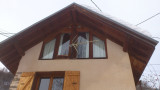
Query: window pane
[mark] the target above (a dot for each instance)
(57, 84)
(98, 48)
(83, 45)
(49, 49)
(64, 44)
(44, 83)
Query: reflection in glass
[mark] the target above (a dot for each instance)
(64, 44)
(98, 48)
(83, 45)
(49, 49)
(57, 84)
(44, 83)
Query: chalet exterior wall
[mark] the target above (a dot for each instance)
(113, 73)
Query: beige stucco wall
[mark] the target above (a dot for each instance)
(113, 73)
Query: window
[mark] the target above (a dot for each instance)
(98, 48)
(58, 80)
(64, 44)
(80, 45)
(44, 83)
(57, 83)
(49, 80)
(49, 49)
(83, 45)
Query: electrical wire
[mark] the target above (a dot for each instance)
(7, 33)
(4, 31)
(96, 5)
(4, 35)
(1, 33)
(156, 37)
(148, 19)
(154, 64)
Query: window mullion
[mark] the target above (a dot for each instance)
(42, 50)
(70, 44)
(57, 46)
(73, 36)
(106, 48)
(90, 45)
(51, 83)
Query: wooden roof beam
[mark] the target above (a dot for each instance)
(19, 49)
(6, 55)
(74, 17)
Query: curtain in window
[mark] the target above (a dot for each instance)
(49, 49)
(64, 44)
(83, 45)
(98, 48)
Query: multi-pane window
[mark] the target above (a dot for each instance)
(57, 80)
(57, 83)
(49, 80)
(79, 45)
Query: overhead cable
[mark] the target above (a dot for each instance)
(148, 19)
(96, 5)
(156, 37)
(7, 33)
(4, 35)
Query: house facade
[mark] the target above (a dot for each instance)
(76, 49)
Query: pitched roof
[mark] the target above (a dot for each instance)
(139, 46)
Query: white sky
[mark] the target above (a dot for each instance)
(15, 15)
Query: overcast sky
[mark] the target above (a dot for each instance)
(15, 15)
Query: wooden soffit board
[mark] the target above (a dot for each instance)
(139, 46)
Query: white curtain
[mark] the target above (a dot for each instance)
(98, 48)
(64, 47)
(83, 46)
(49, 49)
